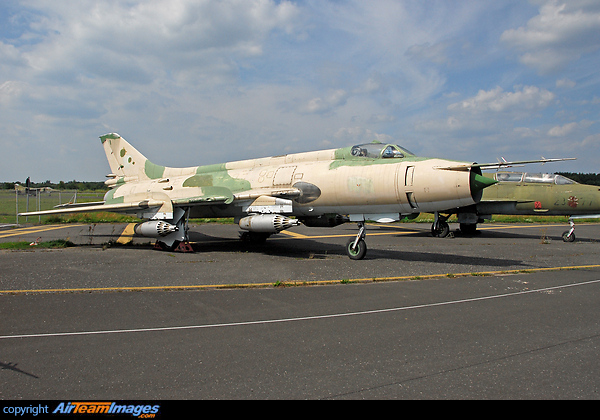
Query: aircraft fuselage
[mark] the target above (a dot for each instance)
(315, 183)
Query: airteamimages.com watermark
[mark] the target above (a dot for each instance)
(142, 411)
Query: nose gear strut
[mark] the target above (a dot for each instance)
(569, 235)
(357, 248)
(440, 228)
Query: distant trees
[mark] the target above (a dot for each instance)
(81, 185)
(590, 179)
(62, 185)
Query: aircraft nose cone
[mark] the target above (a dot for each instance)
(479, 182)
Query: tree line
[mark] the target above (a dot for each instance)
(62, 185)
(590, 179)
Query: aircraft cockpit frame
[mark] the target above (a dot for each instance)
(537, 178)
(379, 151)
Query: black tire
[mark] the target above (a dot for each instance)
(442, 231)
(568, 238)
(357, 253)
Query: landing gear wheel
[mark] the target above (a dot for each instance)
(568, 238)
(358, 252)
(441, 230)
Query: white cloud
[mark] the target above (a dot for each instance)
(357, 135)
(382, 118)
(9, 91)
(329, 103)
(440, 125)
(526, 132)
(562, 32)
(433, 53)
(528, 98)
(569, 128)
(561, 131)
(232, 79)
(9, 55)
(593, 140)
(565, 83)
(140, 41)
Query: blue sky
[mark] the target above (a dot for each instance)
(200, 82)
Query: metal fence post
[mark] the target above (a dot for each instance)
(17, 205)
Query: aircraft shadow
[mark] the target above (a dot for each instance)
(509, 233)
(13, 367)
(520, 235)
(307, 248)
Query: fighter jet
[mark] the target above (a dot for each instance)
(523, 193)
(29, 190)
(375, 181)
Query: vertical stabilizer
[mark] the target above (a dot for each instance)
(125, 161)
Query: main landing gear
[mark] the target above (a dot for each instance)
(171, 235)
(356, 248)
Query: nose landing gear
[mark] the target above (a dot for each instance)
(357, 248)
(569, 235)
(440, 228)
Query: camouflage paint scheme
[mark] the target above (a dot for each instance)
(523, 193)
(346, 183)
(375, 181)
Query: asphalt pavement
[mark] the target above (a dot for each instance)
(510, 313)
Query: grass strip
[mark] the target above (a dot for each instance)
(21, 245)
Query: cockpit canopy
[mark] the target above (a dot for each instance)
(535, 178)
(379, 150)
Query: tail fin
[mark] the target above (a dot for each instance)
(125, 161)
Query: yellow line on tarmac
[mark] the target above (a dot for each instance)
(26, 231)
(302, 282)
(403, 230)
(407, 231)
(347, 235)
(300, 236)
(127, 234)
(294, 234)
(499, 227)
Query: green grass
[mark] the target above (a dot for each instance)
(48, 201)
(59, 243)
(223, 220)
(95, 217)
